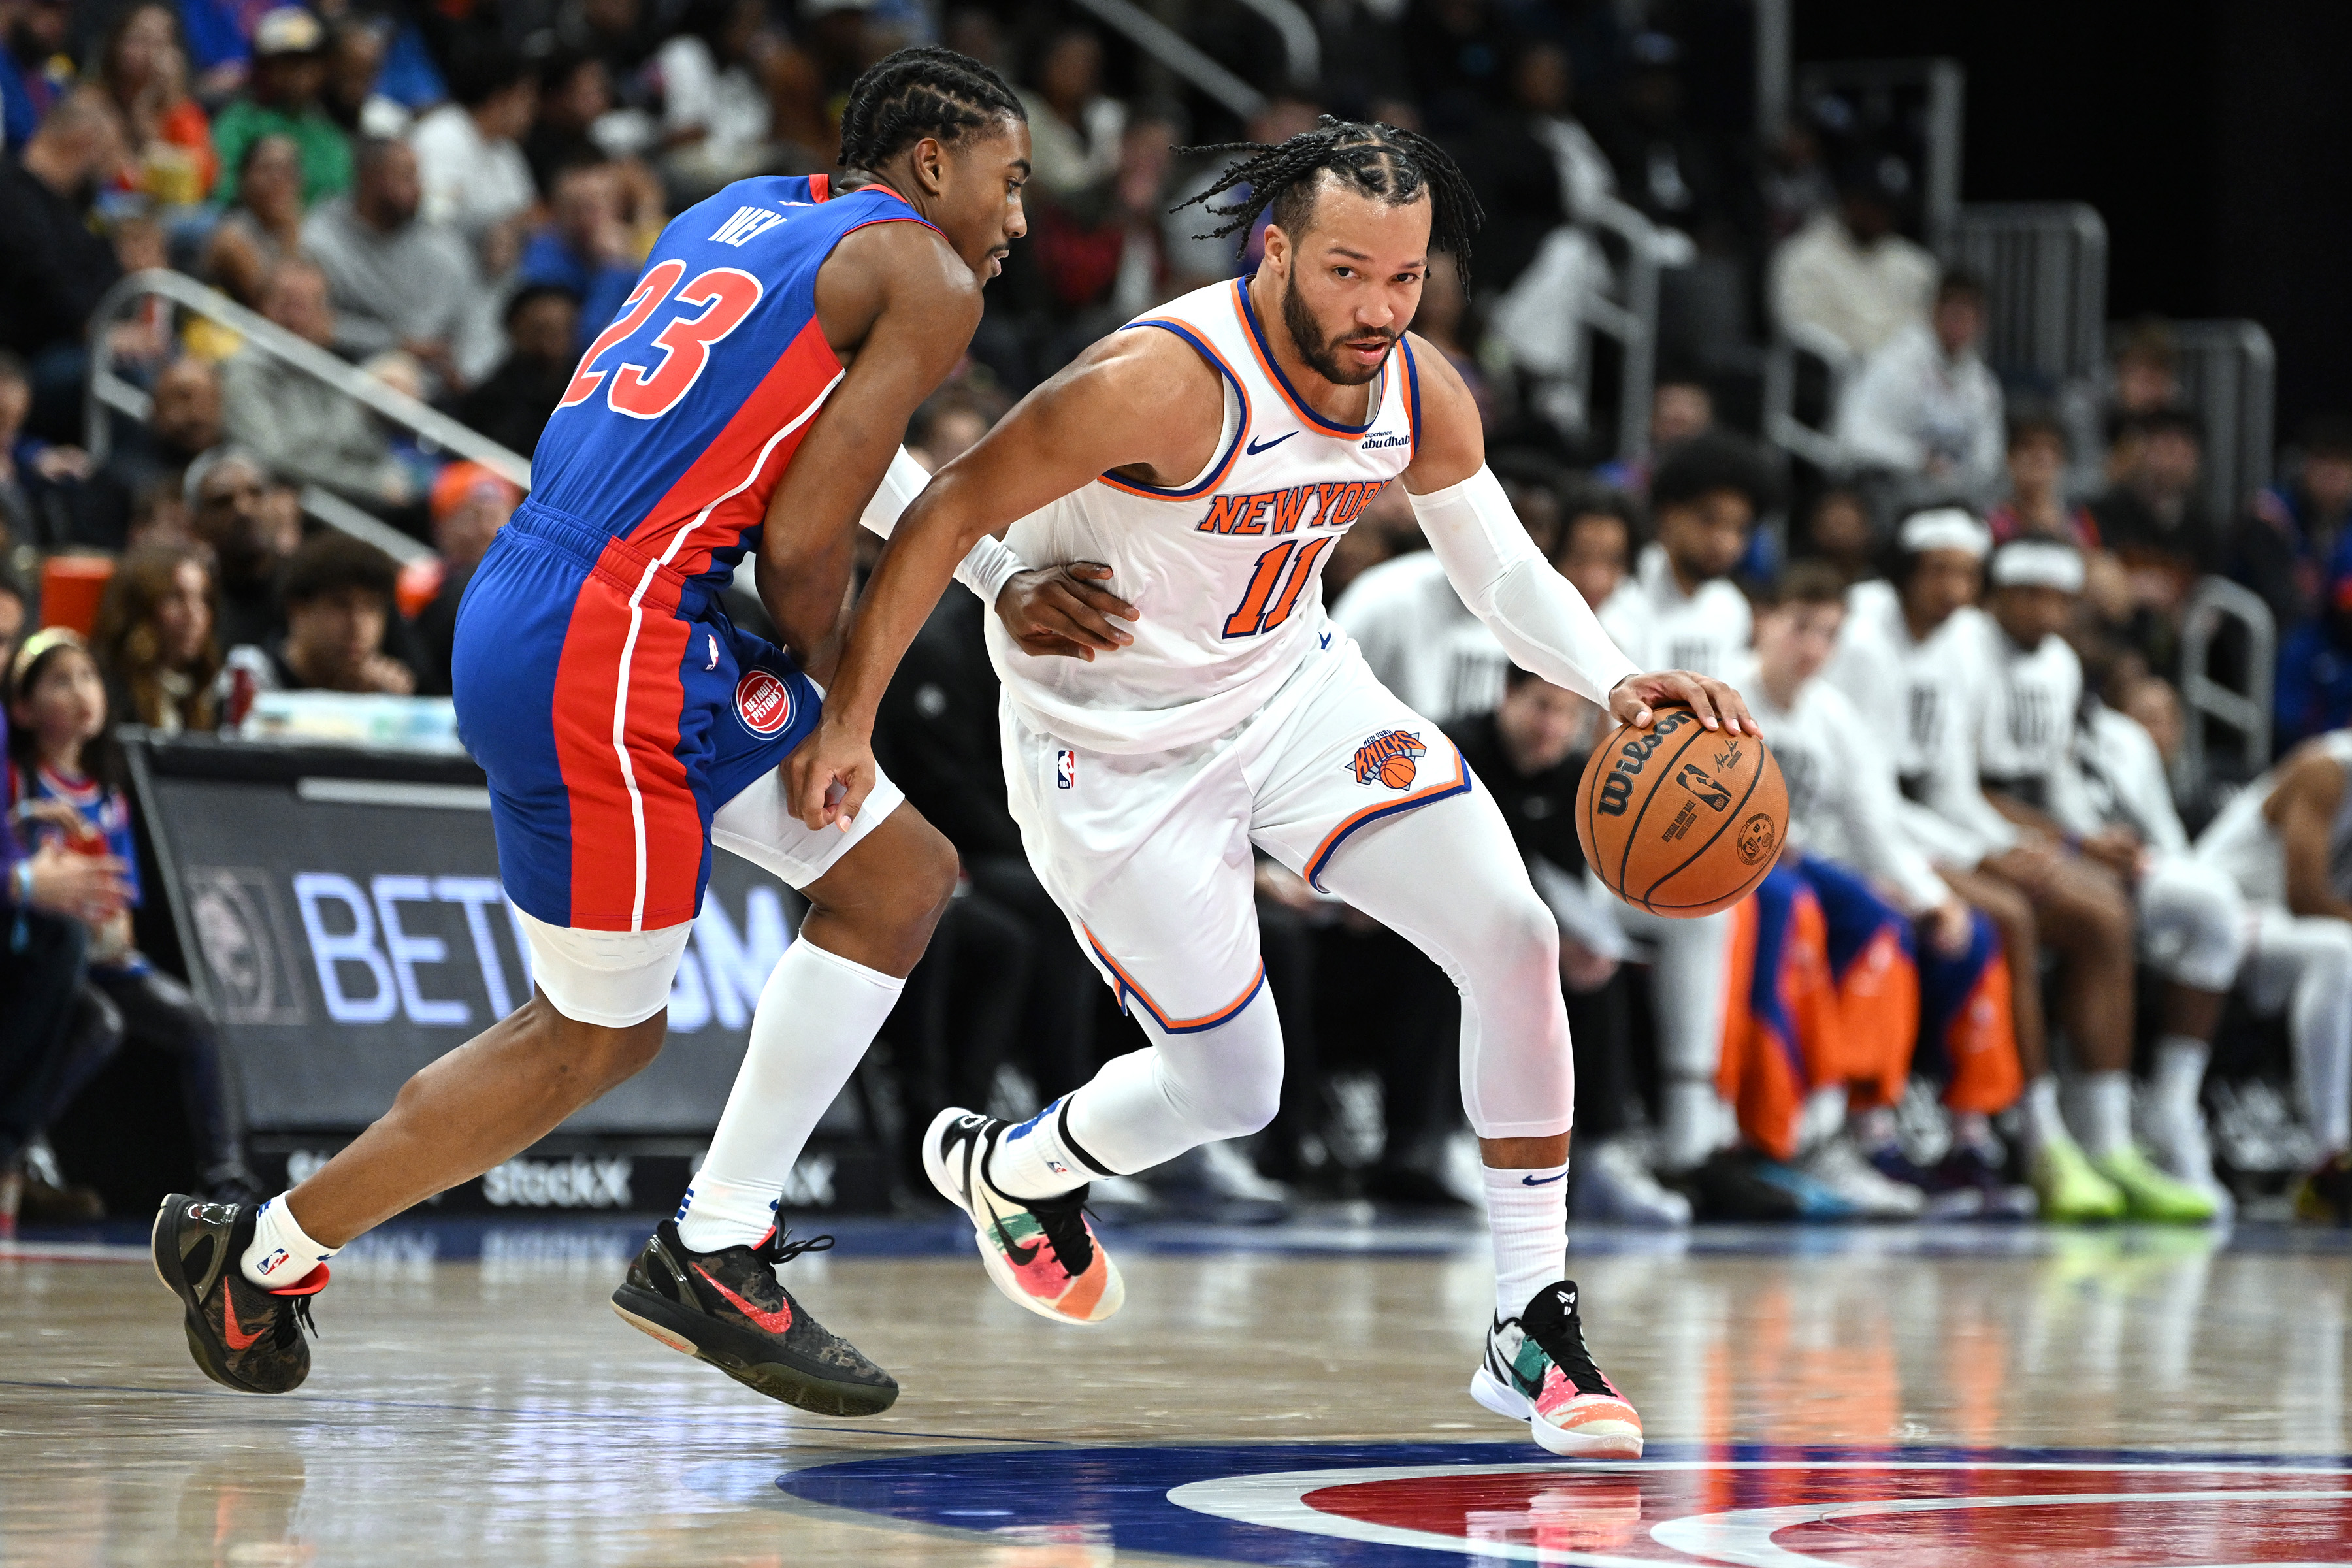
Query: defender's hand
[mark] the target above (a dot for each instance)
(1635, 700)
(829, 775)
(1060, 611)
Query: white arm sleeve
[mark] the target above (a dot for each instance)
(986, 569)
(1542, 623)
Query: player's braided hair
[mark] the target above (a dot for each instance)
(915, 93)
(1381, 161)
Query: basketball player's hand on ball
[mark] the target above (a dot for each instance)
(1635, 700)
(829, 775)
(1062, 611)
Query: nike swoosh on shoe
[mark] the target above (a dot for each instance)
(774, 1322)
(236, 1338)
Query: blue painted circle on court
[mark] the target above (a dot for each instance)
(1454, 1505)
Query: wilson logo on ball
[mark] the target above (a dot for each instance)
(1617, 789)
(763, 702)
(1388, 758)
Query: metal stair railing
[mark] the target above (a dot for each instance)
(1781, 427)
(1631, 319)
(2228, 372)
(111, 393)
(2044, 265)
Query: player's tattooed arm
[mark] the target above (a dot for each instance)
(1140, 402)
(898, 307)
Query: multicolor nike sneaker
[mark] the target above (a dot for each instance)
(2150, 1195)
(1041, 1252)
(2325, 1196)
(242, 1336)
(1537, 1371)
(728, 1308)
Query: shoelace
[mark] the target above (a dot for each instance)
(1565, 1346)
(1063, 1219)
(781, 1248)
(294, 1324)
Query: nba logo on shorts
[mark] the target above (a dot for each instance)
(1065, 770)
(763, 702)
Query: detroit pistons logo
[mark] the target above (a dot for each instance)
(763, 702)
(1388, 758)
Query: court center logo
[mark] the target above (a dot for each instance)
(1389, 758)
(763, 702)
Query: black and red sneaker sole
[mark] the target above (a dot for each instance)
(163, 1250)
(748, 1358)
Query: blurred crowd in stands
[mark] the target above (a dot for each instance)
(453, 199)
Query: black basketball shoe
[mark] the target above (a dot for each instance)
(242, 1336)
(729, 1309)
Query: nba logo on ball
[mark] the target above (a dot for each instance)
(763, 702)
(1065, 770)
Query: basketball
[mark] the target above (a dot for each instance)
(1679, 820)
(1397, 773)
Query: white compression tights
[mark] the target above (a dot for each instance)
(1446, 878)
(2305, 965)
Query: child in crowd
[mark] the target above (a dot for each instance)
(63, 769)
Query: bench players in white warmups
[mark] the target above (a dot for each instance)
(1209, 454)
(2286, 840)
(2192, 923)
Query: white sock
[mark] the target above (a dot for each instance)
(817, 1014)
(1039, 1159)
(2106, 1100)
(1822, 1118)
(1692, 1124)
(2180, 1074)
(2044, 1122)
(280, 1254)
(1526, 1215)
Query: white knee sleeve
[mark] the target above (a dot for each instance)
(2319, 1024)
(1447, 879)
(2192, 924)
(1183, 1090)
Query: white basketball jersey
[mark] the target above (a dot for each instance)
(2028, 718)
(2242, 843)
(1226, 570)
(1422, 640)
(1705, 631)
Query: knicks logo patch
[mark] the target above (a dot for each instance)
(763, 702)
(1389, 758)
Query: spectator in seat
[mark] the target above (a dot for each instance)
(282, 98)
(2315, 672)
(575, 93)
(144, 72)
(470, 157)
(2293, 538)
(715, 110)
(470, 504)
(301, 429)
(1681, 407)
(2037, 505)
(511, 406)
(1600, 534)
(1925, 408)
(155, 640)
(34, 69)
(65, 779)
(1529, 753)
(396, 281)
(144, 470)
(1838, 530)
(338, 593)
(228, 498)
(1074, 127)
(2147, 369)
(265, 225)
(584, 247)
(1847, 273)
(2155, 520)
(38, 480)
(54, 266)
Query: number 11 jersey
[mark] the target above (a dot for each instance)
(1226, 570)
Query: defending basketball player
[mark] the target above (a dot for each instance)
(751, 396)
(1210, 452)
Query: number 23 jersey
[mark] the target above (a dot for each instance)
(1226, 571)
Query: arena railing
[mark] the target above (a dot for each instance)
(2213, 604)
(1631, 319)
(1794, 342)
(111, 393)
(2044, 265)
(1178, 53)
(2228, 372)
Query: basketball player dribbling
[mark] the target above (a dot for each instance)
(1209, 454)
(751, 396)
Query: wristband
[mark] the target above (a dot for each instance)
(987, 568)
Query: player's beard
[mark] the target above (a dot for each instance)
(1321, 354)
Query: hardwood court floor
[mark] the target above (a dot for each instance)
(494, 1410)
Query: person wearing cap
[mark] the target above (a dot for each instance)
(2190, 921)
(281, 99)
(470, 504)
(1847, 275)
(1905, 660)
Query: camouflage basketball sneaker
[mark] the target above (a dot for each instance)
(1537, 1371)
(729, 1309)
(242, 1336)
(1040, 1251)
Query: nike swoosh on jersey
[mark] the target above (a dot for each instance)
(1257, 446)
(1532, 1181)
(236, 1338)
(774, 1322)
